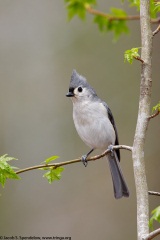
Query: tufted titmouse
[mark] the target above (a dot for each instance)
(95, 125)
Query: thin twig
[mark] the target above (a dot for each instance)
(140, 59)
(152, 234)
(154, 193)
(55, 165)
(112, 18)
(157, 30)
(154, 115)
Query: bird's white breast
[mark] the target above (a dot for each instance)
(92, 124)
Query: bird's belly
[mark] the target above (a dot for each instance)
(96, 133)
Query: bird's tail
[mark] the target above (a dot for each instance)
(119, 184)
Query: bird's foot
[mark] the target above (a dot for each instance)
(110, 148)
(84, 160)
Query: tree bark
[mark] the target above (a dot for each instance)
(142, 122)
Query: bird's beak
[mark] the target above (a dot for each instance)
(70, 94)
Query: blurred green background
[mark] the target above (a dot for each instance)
(38, 50)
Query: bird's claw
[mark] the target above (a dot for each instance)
(110, 148)
(84, 160)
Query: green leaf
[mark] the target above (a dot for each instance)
(154, 8)
(6, 170)
(117, 12)
(157, 7)
(53, 174)
(130, 54)
(2, 179)
(50, 159)
(6, 159)
(155, 216)
(156, 108)
(78, 7)
(116, 26)
(135, 3)
(102, 23)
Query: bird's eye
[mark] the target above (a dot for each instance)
(80, 89)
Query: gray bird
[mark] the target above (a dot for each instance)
(95, 125)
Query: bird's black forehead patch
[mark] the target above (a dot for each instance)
(71, 89)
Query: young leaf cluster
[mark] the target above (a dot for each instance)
(156, 108)
(6, 170)
(53, 173)
(130, 54)
(155, 216)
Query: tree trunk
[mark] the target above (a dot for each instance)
(142, 122)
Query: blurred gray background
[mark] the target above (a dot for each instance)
(38, 50)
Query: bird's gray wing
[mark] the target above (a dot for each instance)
(111, 118)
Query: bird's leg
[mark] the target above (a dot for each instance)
(84, 158)
(110, 148)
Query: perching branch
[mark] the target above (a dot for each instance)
(152, 235)
(55, 165)
(154, 193)
(112, 18)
